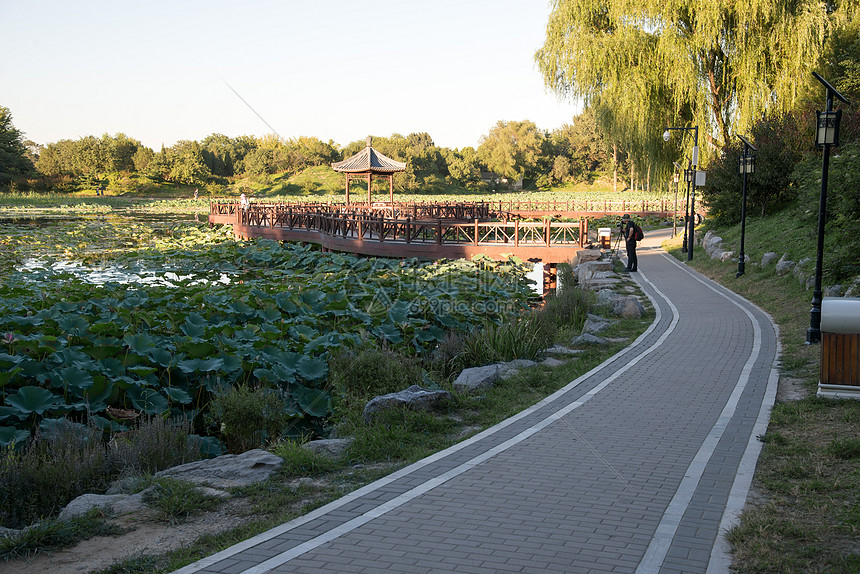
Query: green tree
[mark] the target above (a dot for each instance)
(464, 166)
(13, 152)
(186, 163)
(513, 149)
(717, 64)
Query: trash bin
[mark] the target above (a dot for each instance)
(840, 348)
(604, 237)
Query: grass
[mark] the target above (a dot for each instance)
(394, 439)
(55, 534)
(806, 514)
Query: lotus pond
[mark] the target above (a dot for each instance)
(103, 314)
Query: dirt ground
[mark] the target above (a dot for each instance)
(145, 537)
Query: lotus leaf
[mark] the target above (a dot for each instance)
(10, 436)
(195, 365)
(193, 330)
(73, 325)
(161, 357)
(315, 402)
(178, 395)
(103, 424)
(75, 379)
(209, 446)
(312, 369)
(99, 352)
(29, 400)
(148, 400)
(139, 344)
(198, 350)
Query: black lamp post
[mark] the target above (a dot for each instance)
(746, 165)
(692, 221)
(688, 179)
(676, 176)
(826, 135)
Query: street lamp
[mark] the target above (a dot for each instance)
(666, 136)
(826, 135)
(675, 177)
(746, 164)
(688, 178)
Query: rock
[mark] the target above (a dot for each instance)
(228, 470)
(592, 270)
(810, 282)
(726, 255)
(583, 255)
(834, 291)
(8, 532)
(589, 339)
(561, 350)
(628, 307)
(784, 266)
(476, 378)
(607, 297)
(118, 504)
(853, 289)
(768, 258)
(595, 324)
(127, 485)
(715, 253)
(414, 398)
(520, 364)
(712, 243)
(332, 448)
(551, 362)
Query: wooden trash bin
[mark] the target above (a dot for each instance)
(604, 237)
(840, 348)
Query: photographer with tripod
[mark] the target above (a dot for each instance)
(631, 233)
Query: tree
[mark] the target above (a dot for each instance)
(13, 152)
(512, 149)
(717, 64)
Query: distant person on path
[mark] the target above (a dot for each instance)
(243, 201)
(629, 230)
(195, 193)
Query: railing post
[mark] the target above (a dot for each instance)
(438, 232)
(546, 231)
(408, 230)
(476, 232)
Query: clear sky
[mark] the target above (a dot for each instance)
(159, 71)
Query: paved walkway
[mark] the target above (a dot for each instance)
(637, 466)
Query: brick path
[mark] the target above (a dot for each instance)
(637, 466)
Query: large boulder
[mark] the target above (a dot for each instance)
(628, 307)
(332, 448)
(118, 504)
(768, 258)
(583, 255)
(784, 266)
(595, 324)
(413, 398)
(589, 339)
(227, 471)
(477, 378)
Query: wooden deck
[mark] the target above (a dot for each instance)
(431, 231)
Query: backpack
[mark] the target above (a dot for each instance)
(638, 234)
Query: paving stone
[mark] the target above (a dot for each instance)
(583, 483)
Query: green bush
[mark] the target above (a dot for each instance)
(51, 471)
(155, 444)
(249, 417)
(359, 375)
(519, 337)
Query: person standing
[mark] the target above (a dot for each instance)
(630, 239)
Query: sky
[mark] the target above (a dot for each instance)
(338, 70)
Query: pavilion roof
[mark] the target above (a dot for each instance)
(369, 160)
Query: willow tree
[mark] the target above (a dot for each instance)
(716, 64)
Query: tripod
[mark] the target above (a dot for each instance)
(615, 249)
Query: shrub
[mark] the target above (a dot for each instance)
(359, 375)
(248, 417)
(154, 445)
(51, 471)
(521, 337)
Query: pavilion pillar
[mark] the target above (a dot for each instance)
(347, 189)
(369, 176)
(391, 189)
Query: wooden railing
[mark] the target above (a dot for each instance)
(369, 227)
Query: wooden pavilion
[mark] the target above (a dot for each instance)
(367, 164)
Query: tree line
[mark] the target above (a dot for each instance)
(511, 151)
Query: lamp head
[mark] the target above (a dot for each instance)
(666, 136)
